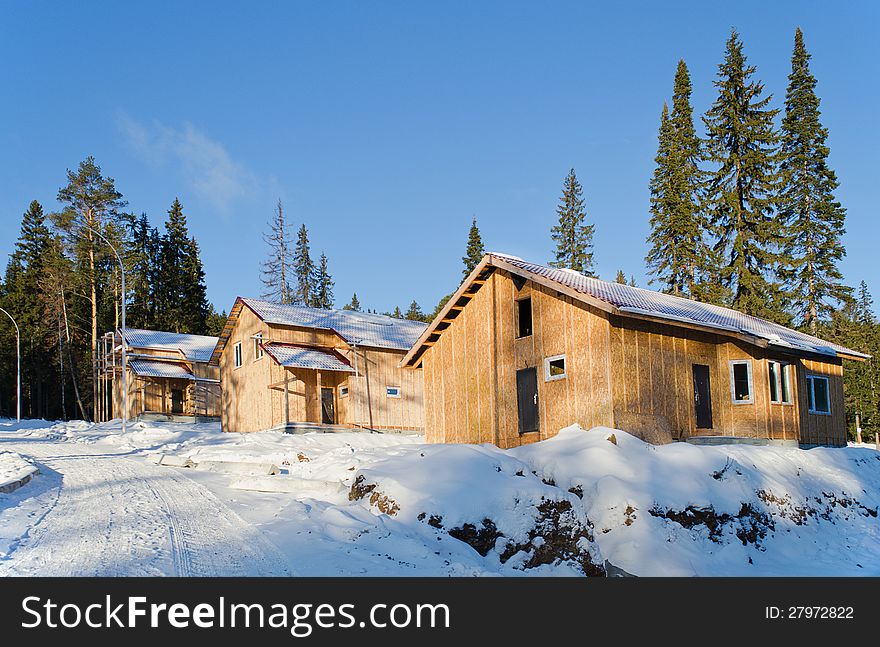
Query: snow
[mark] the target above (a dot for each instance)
(13, 468)
(389, 505)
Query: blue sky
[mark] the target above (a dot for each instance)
(385, 126)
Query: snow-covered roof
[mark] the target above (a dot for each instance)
(625, 300)
(363, 329)
(152, 368)
(633, 300)
(302, 357)
(196, 348)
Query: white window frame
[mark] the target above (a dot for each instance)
(784, 375)
(811, 395)
(258, 350)
(550, 378)
(748, 364)
(389, 395)
(343, 391)
(236, 355)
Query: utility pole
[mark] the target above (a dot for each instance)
(122, 330)
(17, 367)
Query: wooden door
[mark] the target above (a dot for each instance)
(176, 400)
(702, 397)
(527, 399)
(328, 411)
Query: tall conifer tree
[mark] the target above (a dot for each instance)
(813, 217)
(303, 270)
(679, 257)
(573, 238)
(277, 269)
(323, 285)
(475, 250)
(742, 144)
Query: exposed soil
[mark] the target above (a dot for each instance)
(385, 504)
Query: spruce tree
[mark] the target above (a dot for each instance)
(620, 278)
(142, 279)
(303, 270)
(414, 313)
(277, 269)
(194, 294)
(397, 314)
(813, 217)
(573, 238)
(323, 297)
(354, 304)
(679, 255)
(475, 250)
(742, 144)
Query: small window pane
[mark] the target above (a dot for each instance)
(811, 406)
(554, 368)
(524, 317)
(237, 354)
(820, 395)
(343, 391)
(392, 391)
(557, 366)
(786, 390)
(774, 381)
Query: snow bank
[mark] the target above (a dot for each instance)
(721, 510)
(13, 469)
(487, 499)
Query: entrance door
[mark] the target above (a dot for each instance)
(176, 400)
(527, 399)
(702, 397)
(328, 412)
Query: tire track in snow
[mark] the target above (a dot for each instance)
(118, 515)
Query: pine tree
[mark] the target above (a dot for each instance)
(323, 285)
(92, 200)
(303, 270)
(475, 250)
(354, 304)
(814, 219)
(277, 269)
(574, 239)
(397, 314)
(415, 312)
(742, 143)
(679, 254)
(620, 278)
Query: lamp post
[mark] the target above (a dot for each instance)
(18, 366)
(122, 332)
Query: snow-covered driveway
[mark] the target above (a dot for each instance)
(118, 515)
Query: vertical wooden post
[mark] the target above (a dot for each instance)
(859, 428)
(369, 399)
(286, 397)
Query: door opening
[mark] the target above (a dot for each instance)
(527, 399)
(702, 397)
(328, 411)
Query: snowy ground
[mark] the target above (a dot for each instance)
(377, 504)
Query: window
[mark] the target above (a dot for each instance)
(343, 391)
(780, 387)
(554, 368)
(741, 381)
(817, 395)
(236, 355)
(258, 350)
(524, 317)
(392, 391)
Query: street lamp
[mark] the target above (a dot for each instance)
(122, 333)
(18, 366)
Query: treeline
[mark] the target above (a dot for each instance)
(63, 287)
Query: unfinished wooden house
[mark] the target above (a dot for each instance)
(168, 376)
(297, 369)
(522, 350)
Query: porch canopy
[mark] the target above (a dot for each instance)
(152, 368)
(291, 356)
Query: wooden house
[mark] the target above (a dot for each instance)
(522, 350)
(295, 368)
(168, 376)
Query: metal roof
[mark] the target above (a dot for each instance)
(196, 348)
(638, 301)
(152, 368)
(361, 328)
(302, 357)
